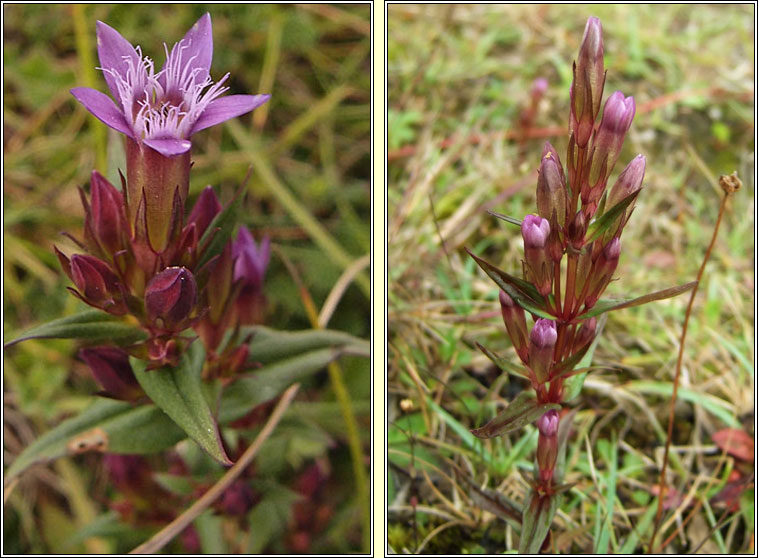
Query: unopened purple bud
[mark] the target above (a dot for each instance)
(515, 322)
(585, 334)
(98, 285)
(170, 298)
(107, 217)
(251, 262)
(206, 208)
(110, 367)
(589, 78)
(602, 272)
(542, 340)
(577, 229)
(535, 231)
(238, 499)
(612, 250)
(551, 190)
(628, 182)
(548, 423)
(617, 118)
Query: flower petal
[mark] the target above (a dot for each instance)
(111, 49)
(225, 108)
(103, 107)
(199, 43)
(169, 147)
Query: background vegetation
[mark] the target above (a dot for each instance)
(311, 140)
(459, 78)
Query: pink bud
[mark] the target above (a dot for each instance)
(548, 423)
(617, 118)
(110, 367)
(535, 230)
(628, 182)
(585, 335)
(170, 298)
(541, 343)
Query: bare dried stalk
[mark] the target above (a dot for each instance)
(165, 535)
(729, 184)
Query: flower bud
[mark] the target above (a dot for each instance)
(535, 230)
(170, 298)
(541, 343)
(602, 270)
(219, 297)
(548, 423)
(585, 335)
(547, 456)
(110, 367)
(589, 79)
(617, 118)
(628, 183)
(98, 285)
(238, 499)
(551, 190)
(251, 262)
(515, 323)
(205, 209)
(106, 218)
(577, 229)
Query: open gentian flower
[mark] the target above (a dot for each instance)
(162, 109)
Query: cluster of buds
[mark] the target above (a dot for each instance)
(144, 256)
(572, 245)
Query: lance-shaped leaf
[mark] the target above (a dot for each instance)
(269, 345)
(604, 222)
(93, 326)
(178, 392)
(523, 293)
(506, 218)
(539, 511)
(522, 411)
(106, 425)
(503, 363)
(268, 382)
(603, 306)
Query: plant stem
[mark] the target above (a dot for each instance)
(165, 535)
(661, 495)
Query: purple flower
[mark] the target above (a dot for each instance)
(162, 109)
(251, 261)
(542, 340)
(535, 231)
(548, 423)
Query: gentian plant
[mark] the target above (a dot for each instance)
(572, 246)
(175, 337)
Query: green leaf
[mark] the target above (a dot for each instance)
(603, 306)
(123, 427)
(503, 363)
(506, 218)
(538, 516)
(178, 392)
(521, 412)
(603, 223)
(523, 293)
(268, 382)
(94, 326)
(269, 345)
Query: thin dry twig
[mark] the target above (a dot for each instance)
(729, 184)
(165, 535)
